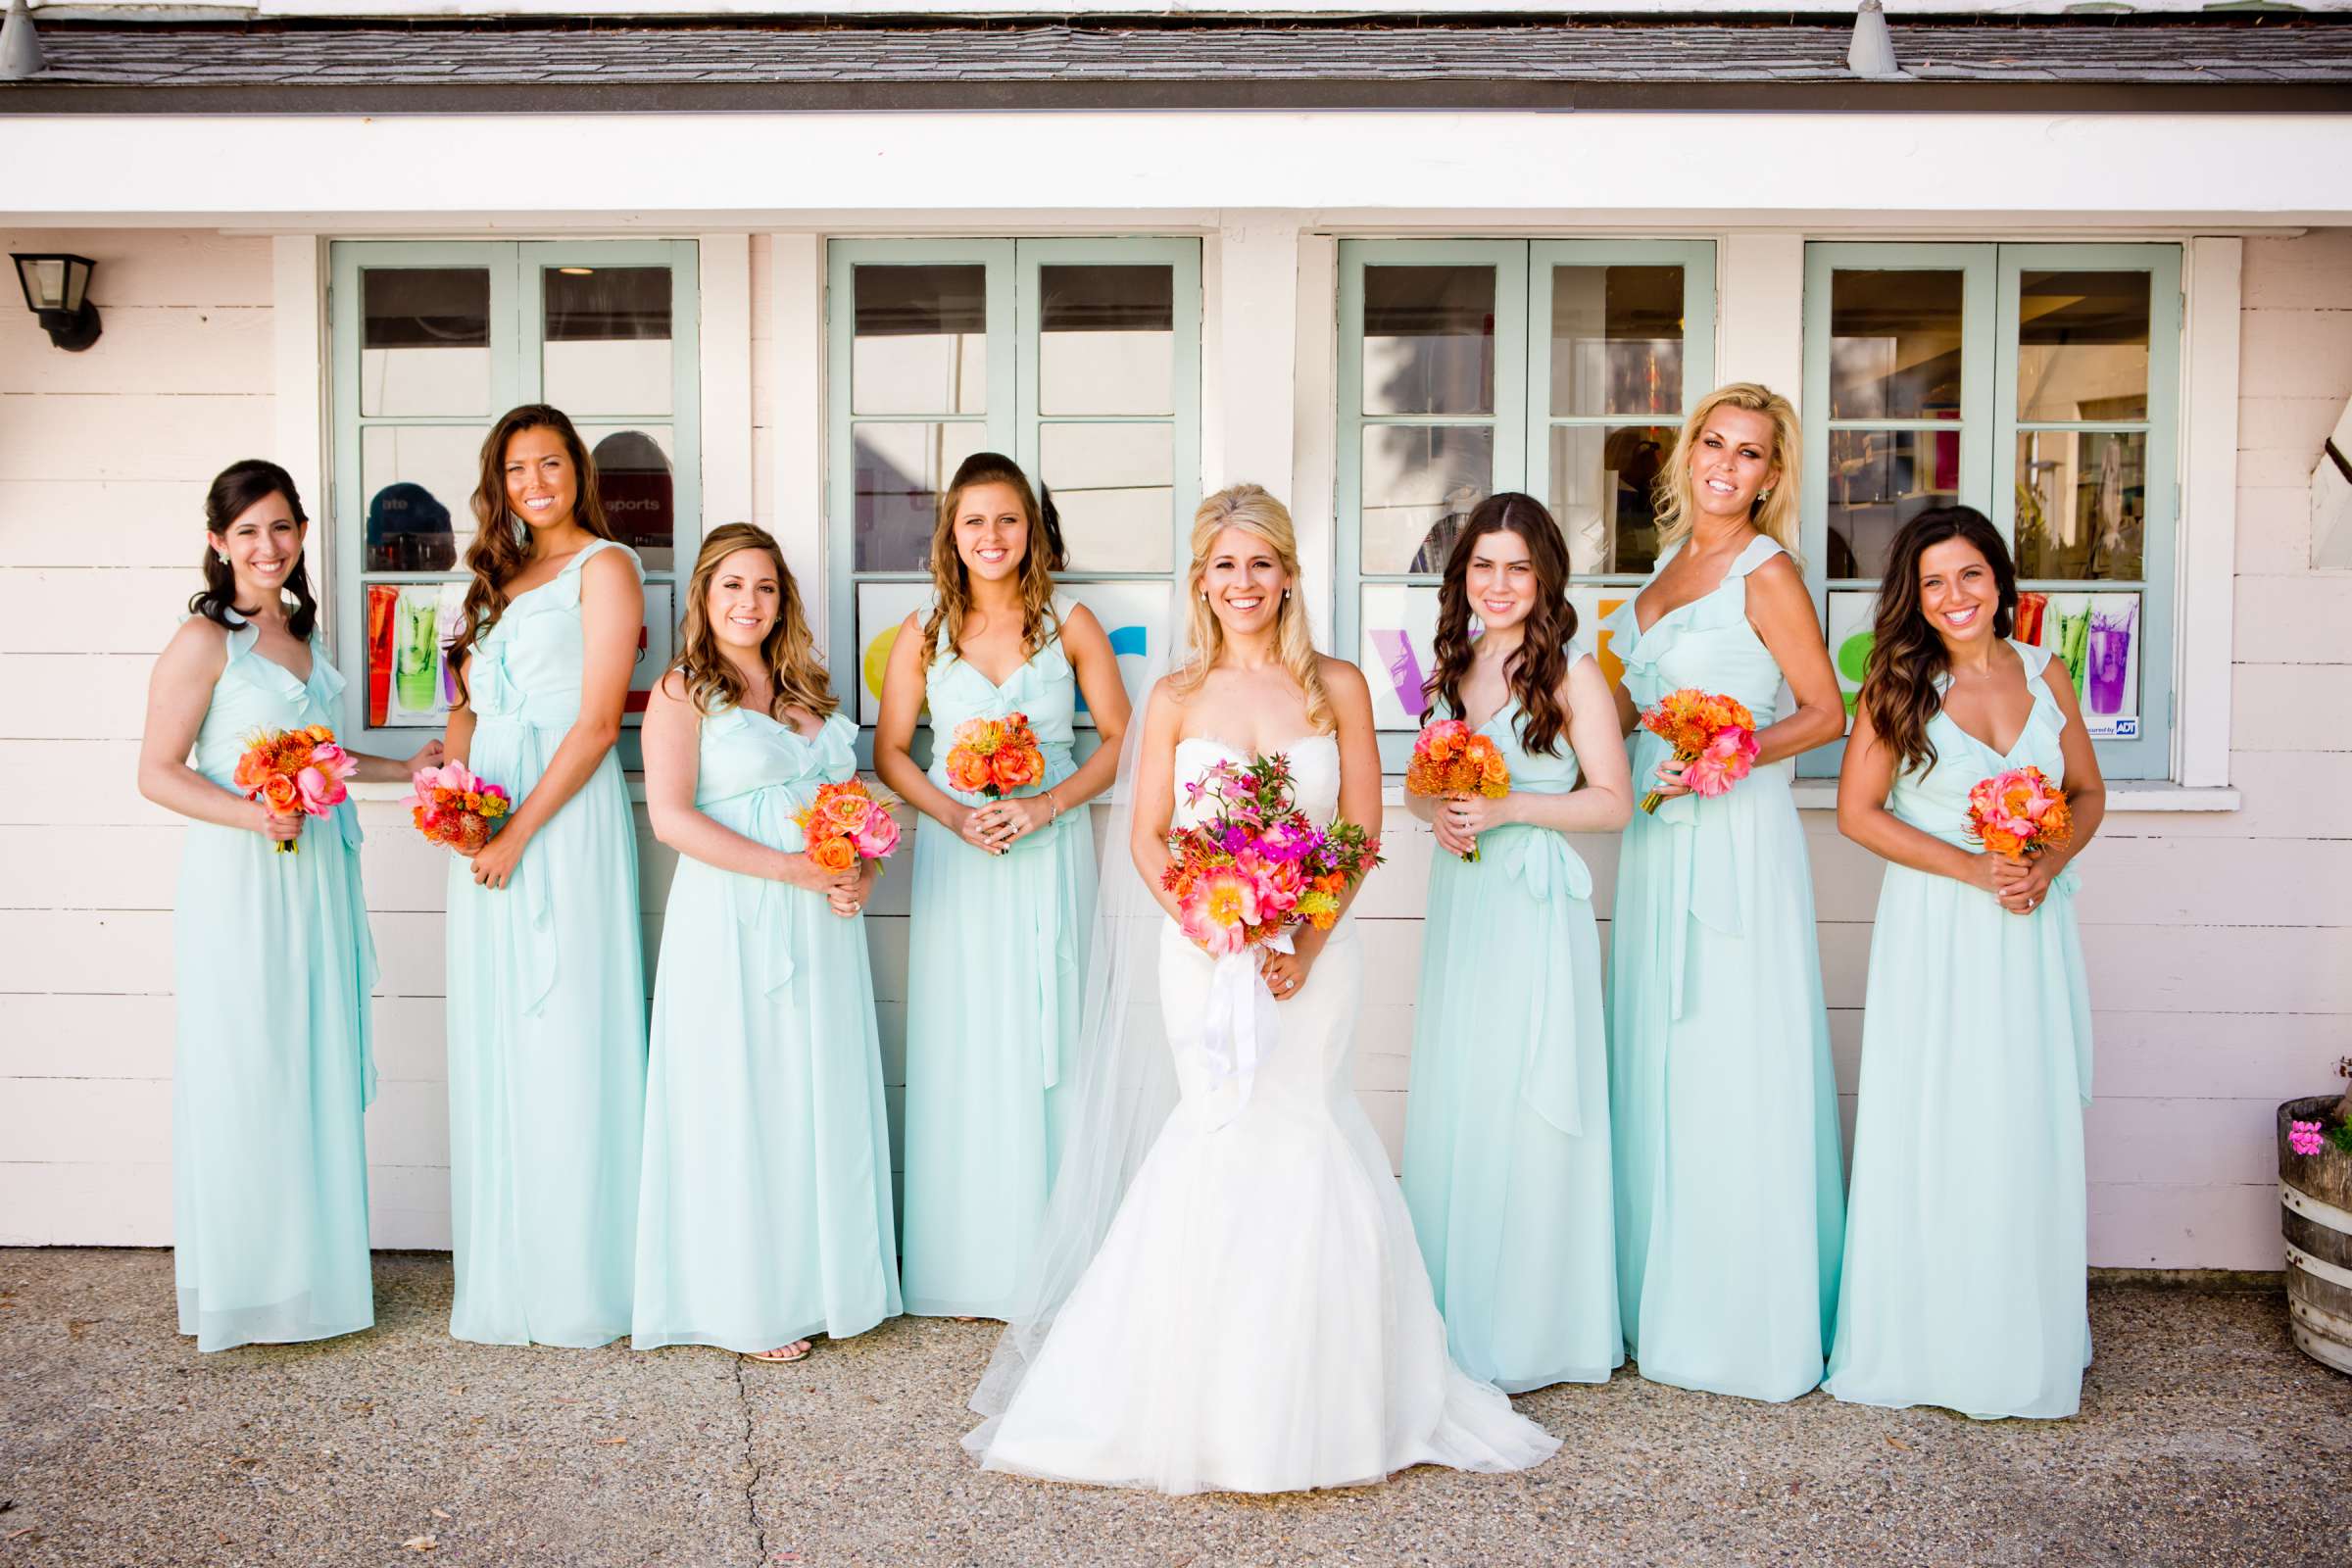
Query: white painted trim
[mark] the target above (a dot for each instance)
(1315, 429)
(1249, 369)
(795, 376)
(299, 360)
(726, 375)
(1760, 309)
(2207, 576)
(2123, 796)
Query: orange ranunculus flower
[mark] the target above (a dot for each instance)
(847, 812)
(280, 793)
(835, 854)
(1016, 767)
(968, 772)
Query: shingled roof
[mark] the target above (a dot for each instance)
(2235, 64)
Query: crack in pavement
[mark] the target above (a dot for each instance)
(751, 1464)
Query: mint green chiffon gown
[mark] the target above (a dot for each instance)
(271, 1074)
(1507, 1131)
(1965, 1253)
(996, 965)
(765, 1215)
(1725, 1106)
(546, 1012)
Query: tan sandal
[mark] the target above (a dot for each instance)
(782, 1353)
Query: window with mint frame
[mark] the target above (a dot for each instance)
(1080, 358)
(1468, 366)
(2039, 384)
(430, 343)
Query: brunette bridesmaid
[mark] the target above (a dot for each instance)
(1965, 1258)
(1001, 890)
(765, 1216)
(1725, 1110)
(1507, 1132)
(273, 963)
(546, 968)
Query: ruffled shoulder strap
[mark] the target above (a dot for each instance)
(2036, 661)
(596, 547)
(324, 673)
(1759, 549)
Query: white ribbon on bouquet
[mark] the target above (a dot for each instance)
(1239, 1027)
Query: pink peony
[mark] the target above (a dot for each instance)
(877, 836)
(319, 789)
(1220, 912)
(2303, 1137)
(1724, 762)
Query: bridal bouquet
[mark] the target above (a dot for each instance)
(295, 773)
(844, 826)
(1258, 866)
(1714, 736)
(994, 756)
(1452, 760)
(2018, 813)
(453, 809)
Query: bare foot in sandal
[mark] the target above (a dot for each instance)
(798, 1349)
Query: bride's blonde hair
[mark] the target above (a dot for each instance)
(1254, 510)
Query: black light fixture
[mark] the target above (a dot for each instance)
(56, 289)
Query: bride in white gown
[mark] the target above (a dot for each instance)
(1230, 1298)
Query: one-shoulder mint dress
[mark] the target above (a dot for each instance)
(272, 1071)
(1964, 1245)
(1507, 1129)
(1729, 1208)
(764, 1214)
(996, 965)
(546, 1012)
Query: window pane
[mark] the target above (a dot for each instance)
(1601, 479)
(2083, 346)
(1399, 624)
(634, 476)
(919, 341)
(1616, 339)
(418, 480)
(899, 472)
(409, 630)
(1420, 484)
(2082, 505)
(1895, 345)
(1880, 481)
(1429, 340)
(1107, 340)
(424, 340)
(1113, 490)
(606, 344)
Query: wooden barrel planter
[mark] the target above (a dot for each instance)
(2314, 1195)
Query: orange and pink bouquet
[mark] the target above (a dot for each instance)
(1258, 866)
(1453, 760)
(295, 773)
(2018, 813)
(1714, 736)
(994, 756)
(845, 824)
(453, 809)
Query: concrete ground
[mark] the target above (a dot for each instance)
(2205, 1438)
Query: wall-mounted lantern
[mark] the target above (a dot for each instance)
(56, 289)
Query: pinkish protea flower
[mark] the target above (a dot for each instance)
(2303, 1137)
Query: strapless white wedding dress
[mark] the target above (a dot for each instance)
(1257, 1318)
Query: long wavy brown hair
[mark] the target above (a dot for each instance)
(1253, 510)
(951, 579)
(788, 650)
(1774, 513)
(1541, 665)
(502, 541)
(1907, 655)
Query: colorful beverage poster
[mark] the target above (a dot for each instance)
(2097, 636)
(1397, 653)
(1131, 614)
(409, 685)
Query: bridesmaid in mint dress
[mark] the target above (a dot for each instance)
(1725, 1106)
(1964, 1250)
(273, 963)
(765, 1215)
(545, 957)
(1001, 890)
(1507, 1131)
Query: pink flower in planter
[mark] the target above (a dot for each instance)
(2303, 1137)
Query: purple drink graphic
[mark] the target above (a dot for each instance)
(2110, 657)
(1397, 655)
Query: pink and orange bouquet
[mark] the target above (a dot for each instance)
(1713, 736)
(453, 809)
(994, 756)
(2018, 813)
(295, 773)
(1453, 760)
(845, 824)
(1258, 866)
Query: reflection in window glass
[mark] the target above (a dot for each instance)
(1616, 340)
(1115, 489)
(919, 340)
(1107, 339)
(1429, 340)
(899, 469)
(634, 480)
(424, 340)
(2083, 346)
(1895, 345)
(1877, 481)
(418, 480)
(2082, 505)
(607, 348)
(1420, 485)
(1604, 480)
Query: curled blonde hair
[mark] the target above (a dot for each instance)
(1252, 510)
(1774, 516)
(951, 579)
(789, 651)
